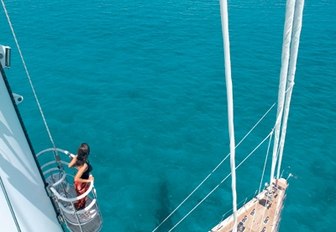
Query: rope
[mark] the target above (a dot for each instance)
(262, 176)
(223, 180)
(263, 172)
(215, 169)
(28, 76)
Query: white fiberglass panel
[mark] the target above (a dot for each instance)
(22, 183)
(6, 220)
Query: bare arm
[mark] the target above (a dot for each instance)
(72, 162)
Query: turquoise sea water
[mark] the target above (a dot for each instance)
(143, 83)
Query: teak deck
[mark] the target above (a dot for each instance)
(261, 214)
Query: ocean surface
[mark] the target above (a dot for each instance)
(143, 83)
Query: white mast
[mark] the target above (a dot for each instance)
(291, 75)
(25, 205)
(283, 79)
(228, 79)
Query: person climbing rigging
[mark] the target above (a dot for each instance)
(83, 177)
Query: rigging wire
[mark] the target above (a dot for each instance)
(215, 169)
(29, 78)
(263, 172)
(222, 181)
(267, 153)
(273, 163)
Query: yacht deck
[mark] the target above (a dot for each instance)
(261, 214)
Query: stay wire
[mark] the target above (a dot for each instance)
(215, 169)
(265, 162)
(29, 78)
(223, 180)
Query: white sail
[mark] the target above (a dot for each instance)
(283, 80)
(291, 75)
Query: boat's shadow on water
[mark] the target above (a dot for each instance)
(164, 208)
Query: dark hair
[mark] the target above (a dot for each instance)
(84, 149)
(82, 154)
